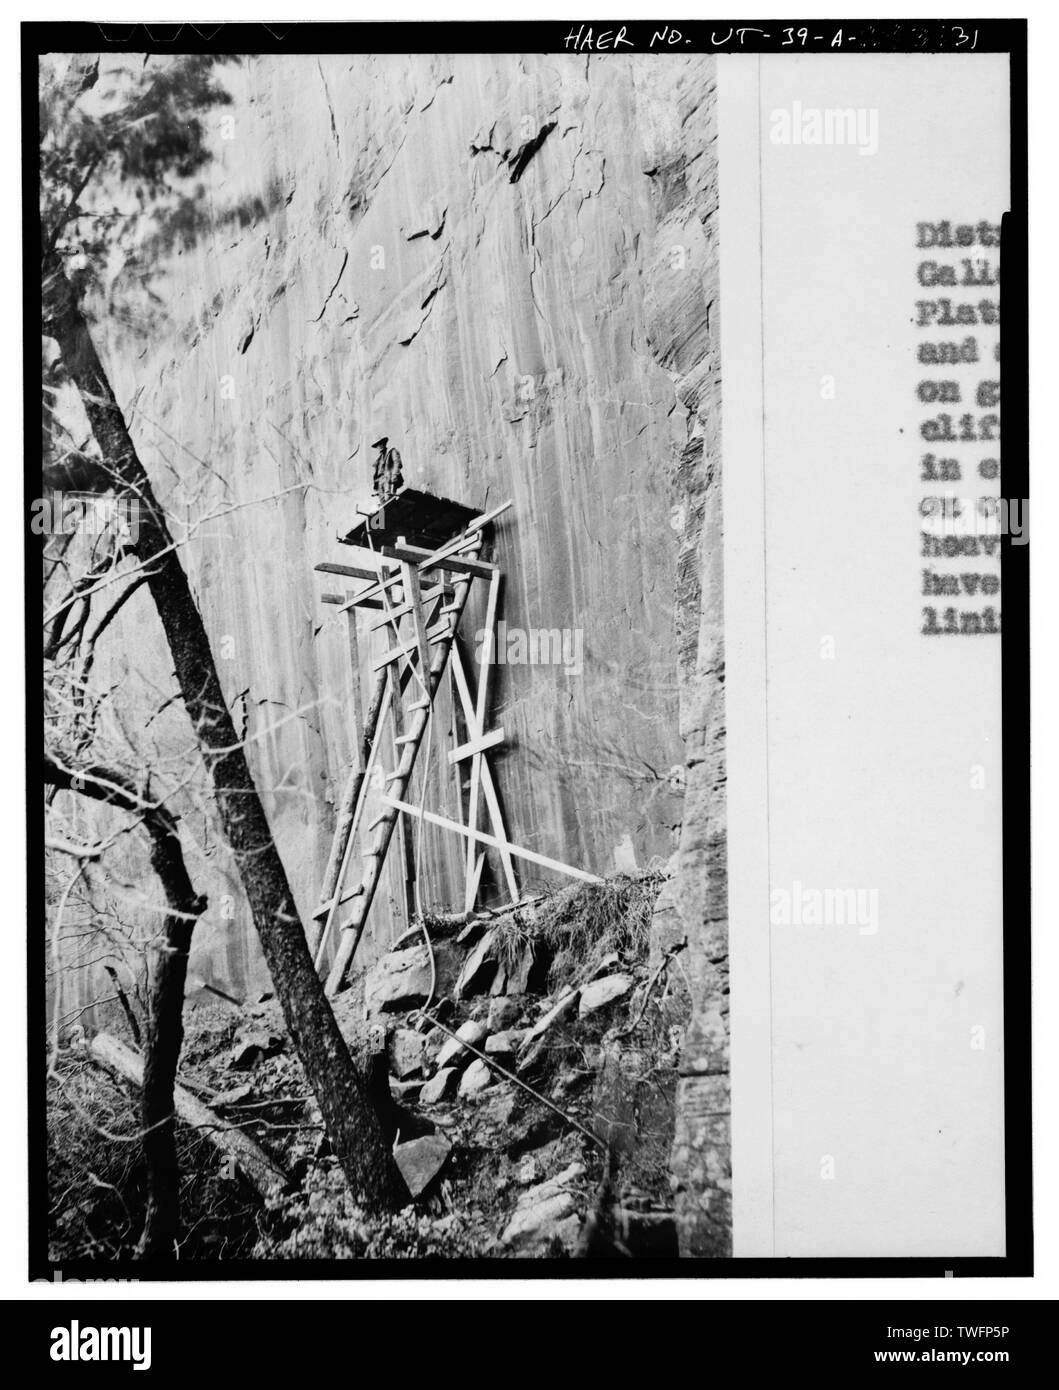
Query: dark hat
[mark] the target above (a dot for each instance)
(381, 443)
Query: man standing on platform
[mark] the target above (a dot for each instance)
(386, 475)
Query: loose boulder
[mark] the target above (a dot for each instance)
(600, 993)
(545, 1213)
(503, 1014)
(476, 1078)
(526, 974)
(502, 1044)
(480, 969)
(398, 981)
(406, 1052)
(421, 1161)
(439, 1087)
(473, 1032)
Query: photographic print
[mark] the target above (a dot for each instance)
(533, 767)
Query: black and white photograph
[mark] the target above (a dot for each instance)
(533, 780)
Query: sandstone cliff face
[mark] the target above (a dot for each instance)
(508, 265)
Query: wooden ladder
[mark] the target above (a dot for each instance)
(420, 596)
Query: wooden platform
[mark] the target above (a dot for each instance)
(419, 517)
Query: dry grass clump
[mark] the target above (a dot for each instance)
(577, 928)
(512, 938)
(582, 927)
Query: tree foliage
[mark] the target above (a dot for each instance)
(121, 144)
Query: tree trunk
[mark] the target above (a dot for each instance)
(165, 1038)
(165, 1019)
(352, 1125)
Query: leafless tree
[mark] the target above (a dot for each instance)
(154, 124)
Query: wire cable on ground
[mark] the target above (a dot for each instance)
(510, 1076)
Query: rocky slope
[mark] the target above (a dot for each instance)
(524, 1069)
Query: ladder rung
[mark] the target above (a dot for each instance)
(394, 654)
(427, 596)
(391, 581)
(451, 607)
(381, 820)
(391, 619)
(324, 908)
(419, 704)
(395, 776)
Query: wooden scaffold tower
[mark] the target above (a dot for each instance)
(423, 556)
(424, 553)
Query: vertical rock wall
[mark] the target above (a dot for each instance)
(683, 332)
(506, 264)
